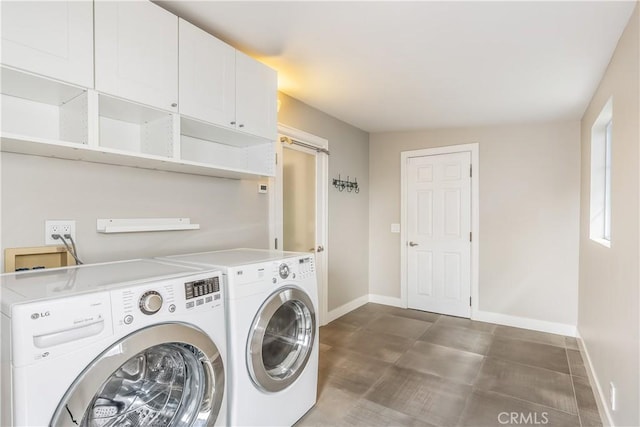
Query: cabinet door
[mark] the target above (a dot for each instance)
(54, 39)
(137, 52)
(256, 97)
(207, 77)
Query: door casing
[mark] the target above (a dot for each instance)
(475, 216)
(322, 210)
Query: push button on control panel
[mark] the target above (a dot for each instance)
(128, 319)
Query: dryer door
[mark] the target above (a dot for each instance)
(281, 339)
(168, 374)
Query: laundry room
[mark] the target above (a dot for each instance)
(353, 213)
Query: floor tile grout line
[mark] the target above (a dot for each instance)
(510, 396)
(527, 365)
(573, 387)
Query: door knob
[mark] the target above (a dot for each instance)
(412, 244)
(320, 248)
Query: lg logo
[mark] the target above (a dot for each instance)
(529, 418)
(36, 316)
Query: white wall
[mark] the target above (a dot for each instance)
(529, 204)
(348, 212)
(609, 309)
(231, 213)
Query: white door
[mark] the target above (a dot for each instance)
(207, 77)
(439, 233)
(299, 200)
(136, 52)
(51, 38)
(256, 97)
(298, 205)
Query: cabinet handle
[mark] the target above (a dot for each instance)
(232, 123)
(174, 105)
(241, 125)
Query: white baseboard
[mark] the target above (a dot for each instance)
(385, 300)
(601, 400)
(346, 308)
(525, 323)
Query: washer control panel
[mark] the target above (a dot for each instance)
(162, 300)
(199, 292)
(150, 302)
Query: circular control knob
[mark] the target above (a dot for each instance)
(150, 302)
(283, 270)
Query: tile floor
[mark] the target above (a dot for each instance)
(385, 366)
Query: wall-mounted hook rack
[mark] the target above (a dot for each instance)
(350, 186)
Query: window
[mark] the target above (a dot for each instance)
(600, 200)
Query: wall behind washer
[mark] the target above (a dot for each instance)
(231, 213)
(529, 209)
(348, 212)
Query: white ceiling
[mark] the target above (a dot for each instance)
(391, 65)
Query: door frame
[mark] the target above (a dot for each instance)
(473, 148)
(322, 208)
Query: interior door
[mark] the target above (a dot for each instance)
(312, 167)
(299, 202)
(439, 233)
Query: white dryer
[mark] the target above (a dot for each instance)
(272, 333)
(133, 343)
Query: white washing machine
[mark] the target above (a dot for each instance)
(132, 343)
(272, 333)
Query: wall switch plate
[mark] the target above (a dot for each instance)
(612, 396)
(61, 227)
(395, 228)
(262, 188)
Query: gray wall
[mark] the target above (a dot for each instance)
(231, 213)
(529, 204)
(609, 310)
(348, 212)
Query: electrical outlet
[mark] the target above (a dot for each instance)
(58, 227)
(612, 396)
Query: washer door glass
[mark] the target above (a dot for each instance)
(158, 386)
(164, 375)
(281, 340)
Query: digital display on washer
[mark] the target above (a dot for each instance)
(198, 288)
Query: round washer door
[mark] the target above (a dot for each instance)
(281, 339)
(170, 374)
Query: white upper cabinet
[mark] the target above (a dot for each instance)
(54, 39)
(223, 86)
(207, 77)
(136, 52)
(256, 97)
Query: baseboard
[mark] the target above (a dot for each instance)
(525, 323)
(601, 400)
(346, 308)
(385, 300)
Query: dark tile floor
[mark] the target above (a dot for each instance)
(385, 366)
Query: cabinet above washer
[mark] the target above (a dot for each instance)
(53, 39)
(136, 55)
(223, 86)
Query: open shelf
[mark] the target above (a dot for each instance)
(208, 144)
(134, 128)
(36, 107)
(44, 117)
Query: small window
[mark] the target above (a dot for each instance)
(600, 200)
